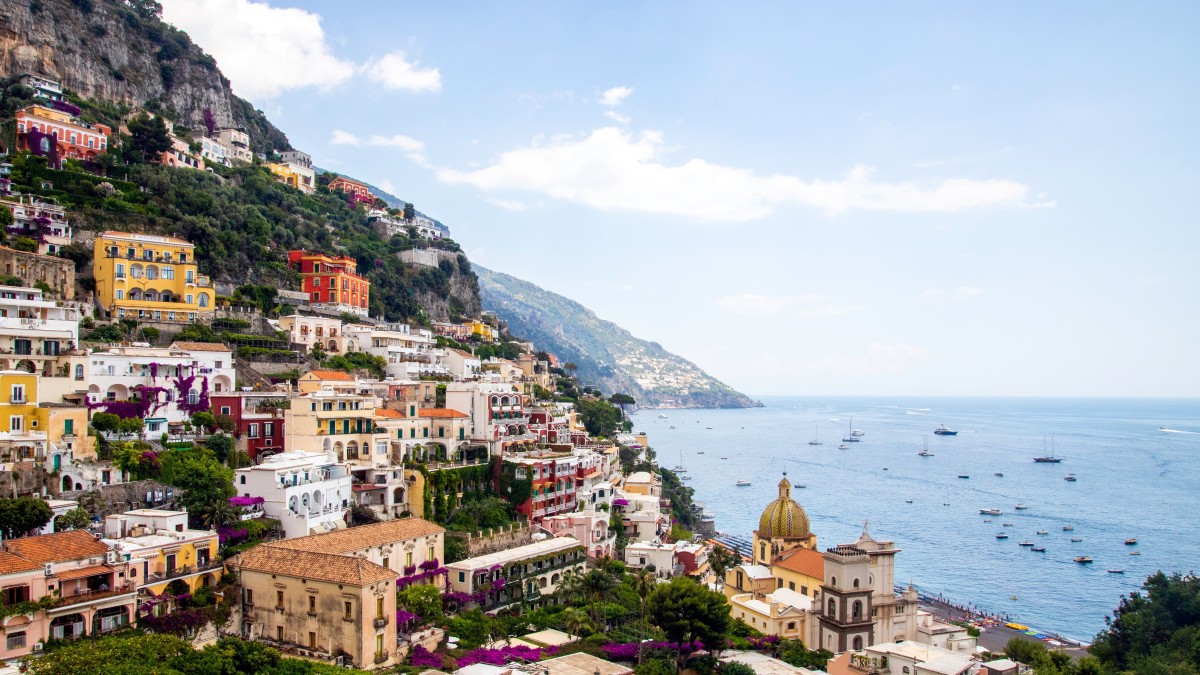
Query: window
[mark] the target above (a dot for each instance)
(193, 397)
(408, 559)
(242, 480)
(253, 431)
(855, 583)
(168, 273)
(268, 429)
(385, 561)
(791, 585)
(312, 604)
(16, 640)
(18, 393)
(804, 590)
(832, 608)
(347, 610)
(68, 427)
(204, 299)
(190, 298)
(189, 276)
(312, 640)
(462, 577)
(858, 643)
(430, 554)
(279, 599)
(791, 625)
(379, 608)
(250, 596)
(279, 633)
(225, 410)
(120, 270)
(16, 423)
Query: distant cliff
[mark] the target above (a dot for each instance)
(122, 52)
(606, 354)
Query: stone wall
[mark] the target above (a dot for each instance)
(493, 540)
(109, 499)
(58, 273)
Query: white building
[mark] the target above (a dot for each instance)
(410, 352)
(45, 222)
(910, 658)
(463, 365)
(534, 569)
(42, 336)
(238, 143)
(308, 492)
(142, 535)
(310, 330)
(646, 554)
(215, 151)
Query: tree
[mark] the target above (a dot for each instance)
(75, 519)
(203, 479)
(221, 445)
(1155, 630)
(21, 515)
(643, 582)
(424, 600)
(205, 421)
(687, 611)
(148, 138)
(720, 560)
(410, 212)
(105, 423)
(735, 668)
(576, 622)
(362, 515)
(131, 426)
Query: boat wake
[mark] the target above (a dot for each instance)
(915, 412)
(1165, 430)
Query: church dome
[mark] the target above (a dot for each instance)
(784, 518)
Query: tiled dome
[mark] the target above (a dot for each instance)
(784, 518)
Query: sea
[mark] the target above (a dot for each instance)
(1137, 464)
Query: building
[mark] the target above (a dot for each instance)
(298, 176)
(801, 570)
(319, 605)
(43, 87)
(782, 527)
(653, 555)
(356, 191)
(44, 222)
(339, 421)
(552, 474)
(933, 631)
(59, 136)
(307, 492)
(30, 268)
(181, 155)
(533, 571)
(33, 431)
(408, 547)
(902, 658)
(311, 331)
(151, 278)
(763, 664)
(333, 283)
(42, 336)
(96, 592)
(259, 419)
(578, 663)
(162, 548)
(238, 144)
(783, 613)
(859, 597)
(296, 157)
(215, 152)
(587, 527)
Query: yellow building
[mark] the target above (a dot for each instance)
(150, 277)
(22, 423)
(295, 175)
(801, 570)
(483, 330)
(783, 526)
(159, 546)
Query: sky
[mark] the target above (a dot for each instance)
(976, 199)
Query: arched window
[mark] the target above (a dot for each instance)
(832, 608)
(904, 670)
(135, 271)
(79, 371)
(204, 299)
(762, 551)
(858, 643)
(243, 480)
(151, 272)
(833, 581)
(856, 612)
(193, 397)
(856, 583)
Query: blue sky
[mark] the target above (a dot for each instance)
(933, 198)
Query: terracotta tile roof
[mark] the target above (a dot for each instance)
(83, 572)
(332, 375)
(362, 537)
(339, 569)
(12, 564)
(57, 547)
(805, 561)
(388, 412)
(202, 347)
(439, 413)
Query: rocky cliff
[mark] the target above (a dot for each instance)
(122, 52)
(606, 354)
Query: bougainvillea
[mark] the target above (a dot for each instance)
(230, 536)
(405, 617)
(183, 387)
(502, 655)
(628, 651)
(426, 659)
(246, 501)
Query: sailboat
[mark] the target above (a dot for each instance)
(925, 451)
(814, 441)
(850, 437)
(1050, 458)
(680, 467)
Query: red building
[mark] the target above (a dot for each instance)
(258, 419)
(333, 282)
(58, 135)
(356, 191)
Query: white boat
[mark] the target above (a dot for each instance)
(1026, 543)
(858, 432)
(1021, 507)
(743, 483)
(1070, 478)
(990, 512)
(843, 446)
(815, 440)
(1042, 532)
(925, 450)
(684, 477)
(662, 416)
(850, 437)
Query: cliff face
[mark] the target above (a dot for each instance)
(121, 52)
(605, 354)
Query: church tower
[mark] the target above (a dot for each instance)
(783, 526)
(846, 621)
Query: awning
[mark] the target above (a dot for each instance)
(83, 572)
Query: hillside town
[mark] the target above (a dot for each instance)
(178, 456)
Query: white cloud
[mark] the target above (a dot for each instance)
(263, 50)
(616, 117)
(876, 359)
(387, 186)
(344, 138)
(615, 95)
(960, 293)
(508, 204)
(611, 169)
(411, 147)
(796, 306)
(393, 71)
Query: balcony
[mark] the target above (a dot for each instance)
(186, 570)
(380, 621)
(91, 596)
(380, 657)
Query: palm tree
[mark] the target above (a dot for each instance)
(595, 584)
(720, 560)
(643, 581)
(570, 586)
(218, 513)
(575, 621)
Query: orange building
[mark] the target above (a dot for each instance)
(331, 282)
(58, 135)
(356, 191)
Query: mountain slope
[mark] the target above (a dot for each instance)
(606, 354)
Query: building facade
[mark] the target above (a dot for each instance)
(151, 278)
(332, 282)
(59, 136)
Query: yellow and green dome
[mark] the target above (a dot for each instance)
(784, 518)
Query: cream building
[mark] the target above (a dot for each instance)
(783, 613)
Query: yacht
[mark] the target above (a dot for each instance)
(1042, 532)
(1135, 553)
(925, 450)
(1070, 478)
(1002, 536)
(857, 432)
(1026, 543)
(1114, 570)
(815, 440)
(743, 483)
(1038, 549)
(1130, 542)
(1048, 459)
(945, 431)
(1068, 528)
(990, 512)
(850, 437)
(1083, 559)
(1021, 507)
(1006, 524)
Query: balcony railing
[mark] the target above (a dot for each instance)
(89, 596)
(381, 621)
(185, 571)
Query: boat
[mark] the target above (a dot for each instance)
(1163, 429)
(850, 437)
(815, 440)
(1026, 543)
(672, 426)
(709, 428)
(1048, 459)
(1076, 540)
(1021, 507)
(1131, 541)
(999, 474)
(800, 487)
(662, 416)
(964, 475)
(945, 431)
(1083, 559)
(1070, 478)
(907, 501)
(699, 452)
(857, 432)
(990, 512)
(843, 446)
(1038, 549)
(679, 468)
(987, 520)
(1007, 524)
(925, 451)
(1002, 536)
(1068, 528)
(707, 517)
(684, 477)
(743, 483)
(1114, 570)
(1042, 532)
(1135, 553)
(724, 458)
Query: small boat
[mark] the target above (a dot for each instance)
(724, 458)
(1076, 540)
(672, 426)
(743, 483)
(699, 452)
(1038, 549)
(684, 477)
(1013, 597)
(1002, 536)
(1021, 507)
(1083, 559)
(987, 520)
(1068, 528)
(799, 487)
(1163, 429)
(843, 446)
(678, 467)
(945, 431)
(1026, 543)
(709, 428)
(1114, 570)
(990, 512)
(907, 501)
(964, 475)
(662, 416)
(1131, 541)
(857, 432)
(1048, 459)
(999, 474)
(1006, 524)
(1070, 478)
(1042, 532)
(1135, 553)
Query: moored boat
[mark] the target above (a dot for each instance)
(1026, 543)
(1115, 570)
(1068, 528)
(743, 483)
(990, 512)
(1048, 459)
(1038, 549)
(945, 431)
(1002, 536)
(815, 440)
(1070, 478)
(1083, 559)
(1042, 532)
(964, 475)
(1130, 541)
(843, 446)
(1021, 507)
(1076, 540)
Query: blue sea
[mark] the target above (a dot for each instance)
(1133, 481)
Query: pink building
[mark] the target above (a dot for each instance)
(70, 583)
(589, 527)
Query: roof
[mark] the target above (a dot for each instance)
(340, 569)
(762, 664)
(57, 547)
(12, 564)
(389, 413)
(440, 413)
(789, 597)
(756, 571)
(362, 537)
(804, 561)
(202, 346)
(332, 375)
(555, 545)
(580, 663)
(83, 572)
(784, 518)
(947, 665)
(550, 638)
